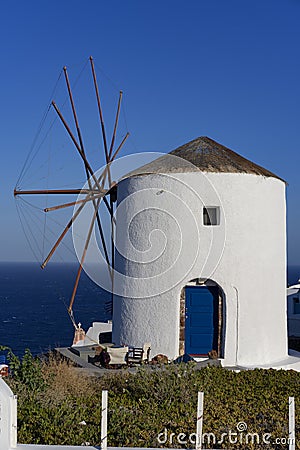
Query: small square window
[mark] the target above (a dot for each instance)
(211, 215)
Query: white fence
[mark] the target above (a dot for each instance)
(8, 424)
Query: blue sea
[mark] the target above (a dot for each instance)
(33, 305)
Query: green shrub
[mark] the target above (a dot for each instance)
(27, 371)
(54, 398)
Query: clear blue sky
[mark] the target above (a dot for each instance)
(226, 69)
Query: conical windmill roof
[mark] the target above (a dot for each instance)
(205, 154)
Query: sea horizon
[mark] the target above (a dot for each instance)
(34, 304)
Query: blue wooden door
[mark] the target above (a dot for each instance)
(201, 320)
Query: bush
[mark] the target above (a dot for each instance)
(55, 398)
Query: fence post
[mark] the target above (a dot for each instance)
(199, 421)
(292, 439)
(104, 420)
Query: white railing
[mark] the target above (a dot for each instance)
(8, 424)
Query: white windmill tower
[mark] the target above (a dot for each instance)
(201, 239)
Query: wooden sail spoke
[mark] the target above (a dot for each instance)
(60, 191)
(64, 232)
(120, 146)
(87, 242)
(94, 190)
(85, 200)
(100, 110)
(87, 168)
(107, 167)
(103, 243)
(112, 253)
(81, 153)
(70, 309)
(77, 125)
(67, 205)
(80, 147)
(116, 125)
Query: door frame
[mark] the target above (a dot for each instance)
(221, 315)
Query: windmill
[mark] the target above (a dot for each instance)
(99, 189)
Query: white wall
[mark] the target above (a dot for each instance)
(8, 417)
(164, 245)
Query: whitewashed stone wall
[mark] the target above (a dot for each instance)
(163, 244)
